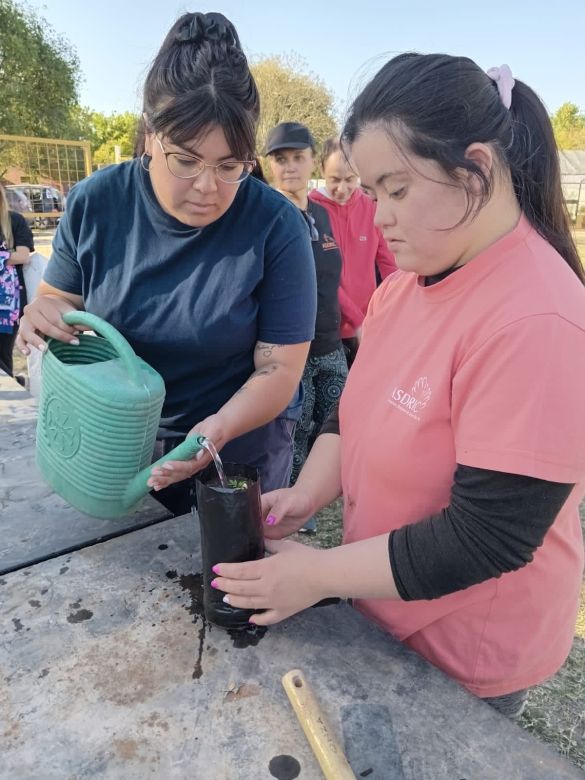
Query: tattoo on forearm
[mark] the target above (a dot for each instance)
(264, 371)
(267, 349)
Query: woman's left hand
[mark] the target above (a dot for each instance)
(178, 470)
(283, 584)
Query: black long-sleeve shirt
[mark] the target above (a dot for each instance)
(493, 524)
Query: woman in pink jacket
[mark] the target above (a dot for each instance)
(362, 247)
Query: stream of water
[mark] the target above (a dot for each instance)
(210, 447)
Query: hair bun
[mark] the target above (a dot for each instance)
(200, 27)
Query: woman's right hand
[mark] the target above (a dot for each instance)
(285, 511)
(43, 317)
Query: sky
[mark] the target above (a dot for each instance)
(342, 42)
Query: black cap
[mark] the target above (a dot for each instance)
(289, 135)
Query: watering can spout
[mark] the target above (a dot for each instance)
(137, 487)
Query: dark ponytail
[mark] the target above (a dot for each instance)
(534, 164)
(438, 105)
(200, 79)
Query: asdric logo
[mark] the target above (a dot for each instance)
(328, 242)
(411, 403)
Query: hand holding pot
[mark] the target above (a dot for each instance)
(285, 511)
(283, 584)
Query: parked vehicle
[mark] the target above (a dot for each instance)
(43, 199)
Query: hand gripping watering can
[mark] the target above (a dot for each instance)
(99, 411)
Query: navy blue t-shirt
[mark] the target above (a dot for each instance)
(192, 302)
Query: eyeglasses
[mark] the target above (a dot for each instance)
(184, 166)
(309, 219)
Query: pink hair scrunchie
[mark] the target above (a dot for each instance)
(504, 82)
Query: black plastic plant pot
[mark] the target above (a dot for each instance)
(231, 532)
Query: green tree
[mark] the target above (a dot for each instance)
(81, 124)
(569, 127)
(104, 132)
(290, 93)
(39, 75)
(110, 131)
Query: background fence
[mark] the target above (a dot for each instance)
(572, 164)
(50, 161)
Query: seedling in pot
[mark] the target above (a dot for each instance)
(238, 484)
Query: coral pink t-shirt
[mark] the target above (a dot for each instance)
(362, 249)
(484, 368)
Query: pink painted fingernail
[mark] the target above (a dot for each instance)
(215, 569)
(271, 520)
(213, 583)
(251, 620)
(226, 599)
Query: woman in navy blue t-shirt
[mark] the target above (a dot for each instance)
(204, 269)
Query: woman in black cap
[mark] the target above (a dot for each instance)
(290, 148)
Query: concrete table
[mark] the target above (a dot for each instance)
(36, 524)
(108, 670)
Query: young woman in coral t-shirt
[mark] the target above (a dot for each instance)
(461, 454)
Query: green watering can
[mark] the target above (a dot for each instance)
(99, 411)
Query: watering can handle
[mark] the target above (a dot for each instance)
(137, 487)
(127, 355)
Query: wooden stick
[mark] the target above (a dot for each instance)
(326, 748)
